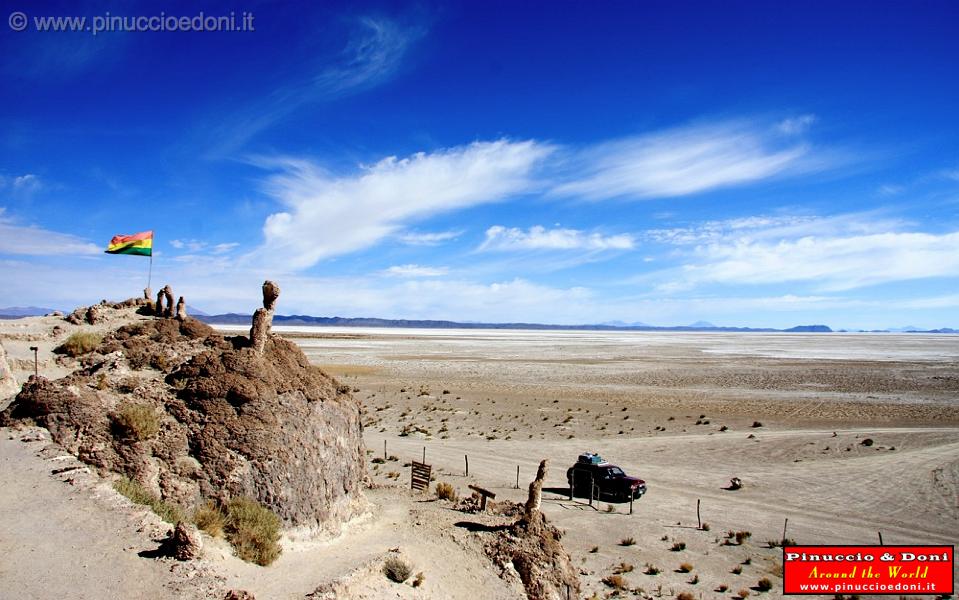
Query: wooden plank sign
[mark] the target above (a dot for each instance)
(420, 476)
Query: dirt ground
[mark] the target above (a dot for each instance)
(677, 410)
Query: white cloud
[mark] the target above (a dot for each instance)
(413, 238)
(201, 246)
(681, 161)
(836, 253)
(415, 271)
(36, 241)
(328, 215)
(540, 238)
(21, 185)
(795, 125)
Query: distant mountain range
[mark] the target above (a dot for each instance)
(239, 319)
(16, 312)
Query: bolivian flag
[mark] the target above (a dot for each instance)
(138, 243)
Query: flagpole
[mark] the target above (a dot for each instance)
(150, 276)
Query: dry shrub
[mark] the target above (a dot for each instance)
(737, 570)
(627, 541)
(721, 588)
(651, 570)
(615, 581)
(396, 569)
(744, 593)
(742, 536)
(685, 567)
(678, 547)
(685, 596)
(446, 491)
(254, 531)
(623, 568)
(764, 585)
(137, 421)
(209, 518)
(140, 495)
(79, 344)
(419, 579)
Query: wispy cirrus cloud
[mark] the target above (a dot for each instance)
(327, 215)
(371, 56)
(842, 252)
(36, 241)
(412, 270)
(682, 161)
(540, 238)
(435, 238)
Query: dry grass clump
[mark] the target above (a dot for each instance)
(736, 570)
(140, 495)
(137, 421)
(209, 518)
(722, 588)
(685, 567)
(742, 536)
(623, 568)
(764, 585)
(628, 541)
(743, 593)
(652, 570)
(678, 547)
(396, 569)
(79, 344)
(685, 596)
(253, 530)
(446, 491)
(616, 582)
(419, 579)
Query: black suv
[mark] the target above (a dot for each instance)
(611, 482)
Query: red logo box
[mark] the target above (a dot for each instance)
(874, 570)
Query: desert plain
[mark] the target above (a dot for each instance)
(846, 436)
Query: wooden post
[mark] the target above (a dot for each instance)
(517, 476)
(424, 454)
(699, 521)
(880, 538)
(36, 363)
(467, 457)
(785, 523)
(384, 449)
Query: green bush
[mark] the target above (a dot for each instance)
(254, 531)
(140, 495)
(137, 421)
(79, 343)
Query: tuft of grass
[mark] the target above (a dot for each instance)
(138, 494)
(722, 588)
(615, 581)
(209, 518)
(594, 550)
(446, 491)
(685, 567)
(744, 593)
(705, 526)
(694, 580)
(137, 421)
(678, 547)
(79, 344)
(396, 569)
(757, 424)
(764, 585)
(736, 570)
(623, 568)
(419, 579)
(742, 536)
(685, 596)
(652, 570)
(628, 541)
(253, 530)
(748, 561)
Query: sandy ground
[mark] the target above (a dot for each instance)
(675, 409)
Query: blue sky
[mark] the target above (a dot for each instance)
(745, 163)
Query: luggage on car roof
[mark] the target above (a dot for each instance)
(591, 458)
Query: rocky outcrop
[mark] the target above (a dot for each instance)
(231, 421)
(8, 383)
(184, 543)
(531, 548)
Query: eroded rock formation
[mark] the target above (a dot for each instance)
(230, 420)
(181, 309)
(532, 547)
(263, 317)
